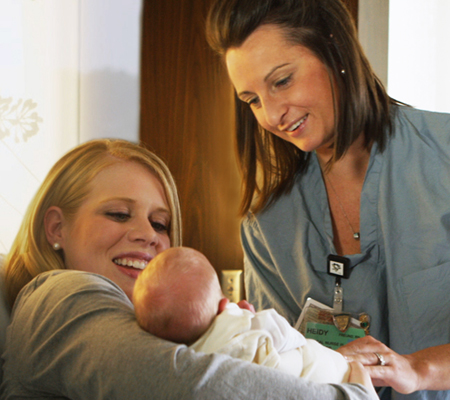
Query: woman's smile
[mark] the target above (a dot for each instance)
(297, 126)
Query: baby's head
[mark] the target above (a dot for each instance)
(177, 295)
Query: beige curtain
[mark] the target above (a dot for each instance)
(69, 72)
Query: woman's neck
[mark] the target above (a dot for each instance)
(344, 181)
(351, 166)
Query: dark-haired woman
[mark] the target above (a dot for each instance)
(332, 165)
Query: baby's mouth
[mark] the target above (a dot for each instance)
(125, 262)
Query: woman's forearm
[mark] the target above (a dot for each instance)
(432, 366)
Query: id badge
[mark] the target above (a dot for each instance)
(318, 321)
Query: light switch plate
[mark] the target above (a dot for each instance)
(232, 284)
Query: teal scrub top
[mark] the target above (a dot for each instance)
(402, 276)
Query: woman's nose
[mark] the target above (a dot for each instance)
(274, 111)
(143, 232)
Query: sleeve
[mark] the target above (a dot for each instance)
(263, 284)
(74, 336)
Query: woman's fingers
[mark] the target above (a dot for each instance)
(398, 372)
(366, 350)
(385, 367)
(358, 374)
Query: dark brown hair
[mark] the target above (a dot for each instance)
(269, 164)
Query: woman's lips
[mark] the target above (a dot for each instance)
(129, 271)
(132, 263)
(127, 262)
(297, 124)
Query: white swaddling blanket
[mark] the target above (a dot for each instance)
(266, 338)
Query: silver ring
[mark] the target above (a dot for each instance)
(381, 360)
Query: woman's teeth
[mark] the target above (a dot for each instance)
(130, 263)
(297, 124)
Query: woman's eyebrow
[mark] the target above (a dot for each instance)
(266, 78)
(130, 200)
(273, 70)
(124, 199)
(162, 210)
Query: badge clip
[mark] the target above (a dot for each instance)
(341, 320)
(339, 267)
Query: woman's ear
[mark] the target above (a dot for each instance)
(53, 224)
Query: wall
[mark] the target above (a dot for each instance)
(406, 42)
(419, 53)
(110, 32)
(373, 30)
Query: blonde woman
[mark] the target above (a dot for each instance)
(104, 211)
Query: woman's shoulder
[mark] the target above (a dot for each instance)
(421, 119)
(68, 286)
(406, 109)
(414, 127)
(63, 279)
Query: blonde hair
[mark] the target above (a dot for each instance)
(66, 186)
(177, 296)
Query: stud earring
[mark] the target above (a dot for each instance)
(343, 71)
(56, 246)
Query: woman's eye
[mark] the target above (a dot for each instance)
(118, 216)
(283, 82)
(159, 227)
(253, 102)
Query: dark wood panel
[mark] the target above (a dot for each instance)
(187, 119)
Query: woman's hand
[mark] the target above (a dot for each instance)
(358, 374)
(399, 372)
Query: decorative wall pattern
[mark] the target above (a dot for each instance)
(18, 118)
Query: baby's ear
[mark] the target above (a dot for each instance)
(222, 304)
